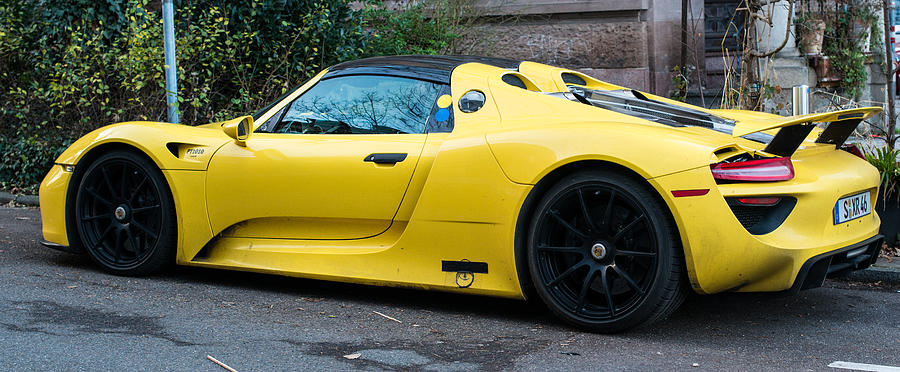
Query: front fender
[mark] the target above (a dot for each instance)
(170, 146)
(181, 152)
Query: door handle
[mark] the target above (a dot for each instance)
(386, 158)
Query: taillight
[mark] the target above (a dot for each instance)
(853, 149)
(762, 170)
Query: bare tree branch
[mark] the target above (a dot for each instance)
(787, 30)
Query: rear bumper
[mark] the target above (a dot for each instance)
(837, 263)
(722, 255)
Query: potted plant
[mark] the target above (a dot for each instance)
(826, 74)
(887, 204)
(845, 44)
(863, 17)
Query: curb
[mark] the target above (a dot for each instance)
(873, 274)
(880, 271)
(29, 200)
(892, 267)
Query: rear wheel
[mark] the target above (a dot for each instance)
(603, 253)
(124, 214)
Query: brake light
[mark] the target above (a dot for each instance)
(763, 202)
(762, 170)
(693, 192)
(853, 149)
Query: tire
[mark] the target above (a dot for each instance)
(603, 253)
(124, 214)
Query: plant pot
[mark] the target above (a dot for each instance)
(889, 211)
(825, 74)
(811, 38)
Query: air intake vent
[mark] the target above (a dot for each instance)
(182, 150)
(725, 150)
(514, 81)
(173, 148)
(570, 78)
(761, 219)
(749, 216)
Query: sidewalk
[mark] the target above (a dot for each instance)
(28, 200)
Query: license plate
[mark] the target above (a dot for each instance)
(852, 207)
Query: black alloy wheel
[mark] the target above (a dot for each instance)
(603, 253)
(125, 215)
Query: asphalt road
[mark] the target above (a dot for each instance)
(59, 312)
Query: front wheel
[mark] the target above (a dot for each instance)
(125, 215)
(603, 253)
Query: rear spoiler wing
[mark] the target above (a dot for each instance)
(794, 130)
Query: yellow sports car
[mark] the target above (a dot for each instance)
(483, 176)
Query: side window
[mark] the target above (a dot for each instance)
(441, 118)
(270, 122)
(363, 104)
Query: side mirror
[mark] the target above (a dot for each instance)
(239, 129)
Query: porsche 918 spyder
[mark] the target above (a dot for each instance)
(484, 176)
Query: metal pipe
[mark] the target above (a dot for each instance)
(684, 48)
(889, 56)
(168, 12)
(800, 100)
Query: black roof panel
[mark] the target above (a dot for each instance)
(433, 68)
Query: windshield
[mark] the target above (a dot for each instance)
(634, 103)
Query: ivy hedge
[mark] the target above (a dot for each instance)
(70, 66)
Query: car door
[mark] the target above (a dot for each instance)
(335, 164)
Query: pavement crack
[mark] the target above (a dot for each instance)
(411, 355)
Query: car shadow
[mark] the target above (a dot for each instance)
(726, 314)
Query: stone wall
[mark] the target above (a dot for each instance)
(634, 43)
(585, 46)
(575, 45)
